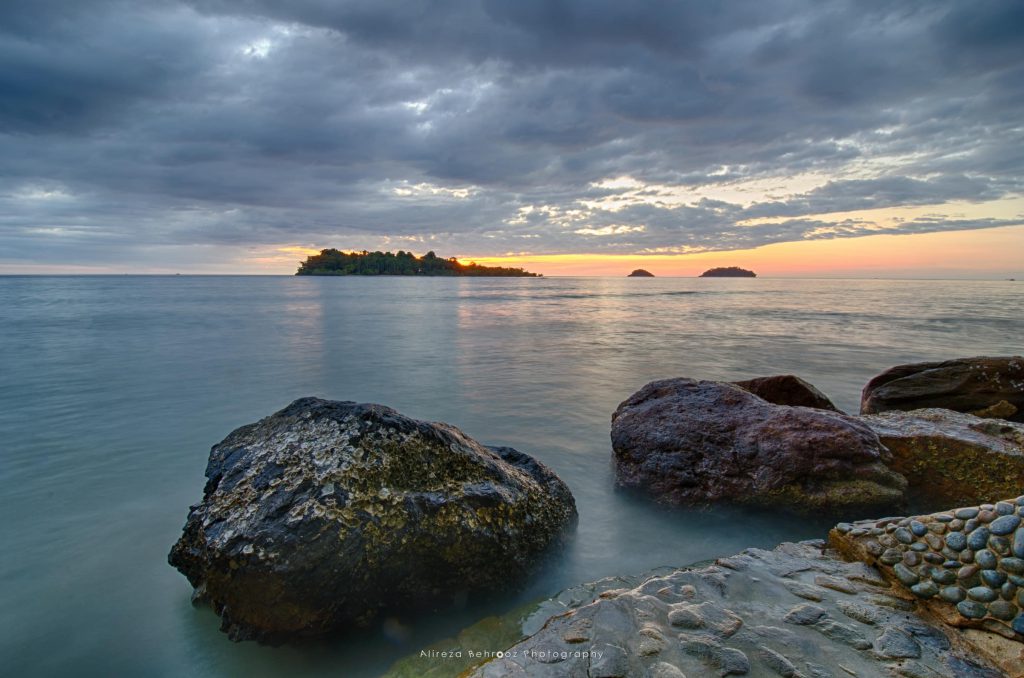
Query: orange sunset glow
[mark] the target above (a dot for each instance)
(987, 253)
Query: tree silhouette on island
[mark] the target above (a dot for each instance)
(728, 272)
(336, 262)
(640, 273)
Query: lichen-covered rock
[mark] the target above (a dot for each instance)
(796, 611)
(327, 514)
(788, 389)
(966, 566)
(950, 458)
(984, 386)
(696, 442)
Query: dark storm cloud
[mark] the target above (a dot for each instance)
(495, 126)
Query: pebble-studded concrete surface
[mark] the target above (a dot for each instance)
(971, 558)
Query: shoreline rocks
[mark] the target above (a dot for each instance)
(950, 458)
(983, 386)
(788, 389)
(796, 611)
(697, 442)
(965, 565)
(327, 514)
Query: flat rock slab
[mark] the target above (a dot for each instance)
(984, 386)
(796, 611)
(950, 458)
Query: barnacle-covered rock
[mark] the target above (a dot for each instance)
(328, 514)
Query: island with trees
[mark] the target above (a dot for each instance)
(640, 273)
(336, 262)
(728, 272)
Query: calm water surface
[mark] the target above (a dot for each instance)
(113, 389)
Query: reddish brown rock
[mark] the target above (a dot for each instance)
(985, 386)
(697, 442)
(788, 389)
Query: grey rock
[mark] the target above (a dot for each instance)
(329, 514)
(787, 389)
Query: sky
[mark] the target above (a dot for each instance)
(796, 137)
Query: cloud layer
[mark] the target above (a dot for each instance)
(152, 131)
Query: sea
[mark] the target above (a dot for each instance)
(114, 388)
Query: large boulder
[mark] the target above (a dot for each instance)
(950, 458)
(328, 514)
(984, 386)
(787, 389)
(697, 442)
(964, 566)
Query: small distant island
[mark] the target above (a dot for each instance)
(728, 272)
(640, 273)
(336, 262)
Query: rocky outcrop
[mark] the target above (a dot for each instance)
(796, 611)
(327, 514)
(640, 273)
(984, 386)
(951, 459)
(787, 389)
(697, 442)
(966, 566)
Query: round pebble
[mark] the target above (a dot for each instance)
(952, 564)
(919, 546)
(965, 513)
(987, 516)
(1017, 579)
(1001, 609)
(934, 558)
(952, 594)
(971, 525)
(971, 609)
(943, 517)
(993, 578)
(918, 528)
(1018, 624)
(1004, 525)
(982, 594)
(986, 559)
(1018, 544)
(1008, 591)
(891, 557)
(934, 541)
(944, 576)
(874, 548)
(968, 571)
(911, 559)
(987, 507)
(978, 539)
(907, 576)
(887, 540)
(1000, 545)
(967, 556)
(903, 535)
(1004, 508)
(956, 541)
(937, 528)
(925, 589)
(1013, 565)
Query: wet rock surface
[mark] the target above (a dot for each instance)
(788, 389)
(966, 566)
(950, 458)
(695, 442)
(984, 386)
(796, 611)
(327, 514)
